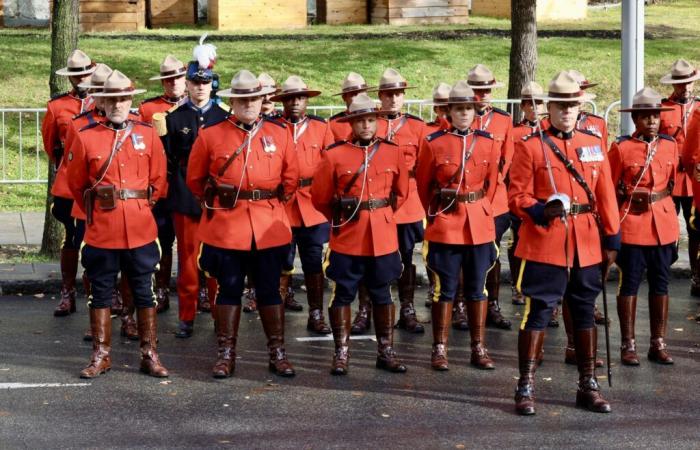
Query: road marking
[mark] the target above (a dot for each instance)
(330, 338)
(39, 385)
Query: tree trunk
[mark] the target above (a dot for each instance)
(523, 47)
(64, 39)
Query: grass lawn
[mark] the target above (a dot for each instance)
(323, 63)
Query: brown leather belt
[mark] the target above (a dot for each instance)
(576, 208)
(471, 197)
(257, 194)
(126, 194)
(303, 182)
(375, 203)
(654, 196)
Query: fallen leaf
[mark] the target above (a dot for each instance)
(39, 295)
(225, 405)
(165, 382)
(678, 329)
(547, 379)
(56, 342)
(358, 394)
(172, 394)
(385, 415)
(460, 446)
(247, 397)
(224, 442)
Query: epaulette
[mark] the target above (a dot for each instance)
(274, 121)
(432, 136)
(221, 119)
(588, 132)
(224, 106)
(339, 115)
(483, 133)
(594, 115)
(336, 144)
(500, 111)
(411, 116)
(88, 126)
(667, 137)
(152, 99)
(57, 96)
(82, 114)
(623, 138)
(319, 118)
(531, 135)
(386, 141)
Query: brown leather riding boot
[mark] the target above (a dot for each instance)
(407, 314)
(363, 318)
(228, 317)
(693, 247)
(441, 314)
(459, 308)
(272, 318)
(431, 288)
(626, 312)
(658, 318)
(529, 347)
(476, 312)
(128, 328)
(588, 394)
(69, 270)
(150, 362)
(494, 317)
(287, 294)
(100, 361)
(384, 329)
(314, 296)
(87, 337)
(165, 270)
(570, 352)
(340, 323)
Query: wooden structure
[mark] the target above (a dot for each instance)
(112, 15)
(170, 12)
(2, 14)
(341, 12)
(233, 15)
(546, 9)
(420, 12)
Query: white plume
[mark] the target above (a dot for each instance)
(204, 54)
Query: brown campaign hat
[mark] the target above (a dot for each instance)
(563, 88)
(292, 87)
(646, 99)
(267, 81)
(118, 85)
(98, 77)
(681, 72)
(171, 67)
(581, 79)
(245, 84)
(78, 64)
(391, 80)
(462, 93)
(440, 94)
(361, 106)
(530, 91)
(481, 77)
(353, 82)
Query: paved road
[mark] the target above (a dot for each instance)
(653, 406)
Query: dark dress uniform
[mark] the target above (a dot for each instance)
(183, 125)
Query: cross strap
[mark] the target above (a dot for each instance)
(246, 142)
(362, 168)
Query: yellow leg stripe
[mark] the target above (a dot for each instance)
(436, 277)
(619, 279)
(518, 284)
(199, 265)
(691, 221)
(288, 272)
(526, 314)
(153, 276)
(324, 266)
(498, 255)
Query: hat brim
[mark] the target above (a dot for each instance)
(64, 72)
(228, 93)
(668, 79)
(435, 103)
(495, 85)
(585, 86)
(378, 89)
(352, 91)
(585, 97)
(90, 86)
(281, 96)
(119, 94)
(353, 116)
(165, 77)
(465, 102)
(648, 109)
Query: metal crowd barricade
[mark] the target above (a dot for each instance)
(23, 161)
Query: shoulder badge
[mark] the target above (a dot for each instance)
(589, 132)
(336, 144)
(483, 133)
(411, 116)
(667, 137)
(432, 136)
(500, 111)
(318, 118)
(88, 126)
(274, 121)
(529, 136)
(338, 116)
(623, 138)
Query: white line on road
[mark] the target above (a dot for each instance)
(39, 385)
(330, 338)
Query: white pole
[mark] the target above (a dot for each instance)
(632, 57)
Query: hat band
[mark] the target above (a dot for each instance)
(462, 99)
(440, 100)
(565, 95)
(482, 83)
(363, 111)
(295, 91)
(647, 106)
(357, 87)
(81, 69)
(118, 90)
(681, 77)
(179, 71)
(247, 91)
(529, 97)
(397, 85)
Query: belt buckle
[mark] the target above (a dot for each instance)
(575, 209)
(371, 205)
(256, 195)
(122, 194)
(471, 197)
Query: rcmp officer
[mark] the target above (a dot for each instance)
(172, 77)
(588, 121)
(116, 174)
(457, 180)
(352, 85)
(310, 229)
(268, 108)
(358, 186)
(560, 239)
(406, 131)
(643, 169)
(675, 123)
(182, 125)
(500, 125)
(59, 112)
(244, 168)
